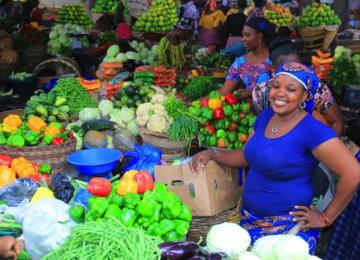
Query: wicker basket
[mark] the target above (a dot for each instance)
(200, 226)
(171, 150)
(318, 37)
(61, 66)
(354, 45)
(53, 154)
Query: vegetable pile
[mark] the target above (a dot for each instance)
(103, 6)
(17, 133)
(199, 87)
(76, 96)
(213, 60)
(317, 14)
(162, 77)
(146, 56)
(113, 54)
(132, 95)
(279, 15)
(74, 14)
(107, 239)
(322, 62)
(227, 123)
(49, 107)
(137, 202)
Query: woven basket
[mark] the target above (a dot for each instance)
(52, 154)
(200, 226)
(312, 37)
(60, 66)
(354, 45)
(171, 150)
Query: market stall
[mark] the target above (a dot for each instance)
(98, 128)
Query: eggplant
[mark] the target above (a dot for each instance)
(215, 256)
(197, 258)
(178, 250)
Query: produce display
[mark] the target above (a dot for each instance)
(132, 95)
(171, 54)
(227, 123)
(60, 40)
(75, 95)
(103, 6)
(161, 17)
(74, 14)
(213, 60)
(317, 14)
(162, 77)
(322, 62)
(18, 133)
(108, 70)
(113, 54)
(146, 56)
(48, 106)
(279, 15)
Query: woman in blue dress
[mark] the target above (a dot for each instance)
(282, 153)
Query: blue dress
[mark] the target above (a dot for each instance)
(280, 175)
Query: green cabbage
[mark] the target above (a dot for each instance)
(87, 114)
(113, 51)
(121, 57)
(105, 107)
(127, 114)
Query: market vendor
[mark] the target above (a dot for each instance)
(9, 247)
(254, 67)
(282, 154)
(257, 10)
(324, 108)
(189, 12)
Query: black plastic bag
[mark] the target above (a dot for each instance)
(62, 187)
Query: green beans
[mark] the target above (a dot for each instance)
(107, 239)
(184, 129)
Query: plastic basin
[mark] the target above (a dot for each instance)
(97, 161)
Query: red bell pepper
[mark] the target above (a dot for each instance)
(233, 127)
(144, 180)
(99, 187)
(218, 113)
(5, 160)
(57, 140)
(230, 99)
(204, 102)
(41, 177)
(210, 129)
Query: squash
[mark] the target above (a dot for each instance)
(8, 56)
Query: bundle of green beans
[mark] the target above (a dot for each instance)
(184, 128)
(107, 239)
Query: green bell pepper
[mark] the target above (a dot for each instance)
(196, 103)
(185, 213)
(236, 107)
(227, 123)
(195, 111)
(220, 124)
(214, 94)
(115, 199)
(45, 168)
(212, 141)
(171, 237)
(131, 200)
(244, 122)
(228, 110)
(48, 139)
(231, 136)
(32, 138)
(165, 226)
(98, 206)
(238, 144)
(152, 228)
(89, 216)
(206, 113)
(171, 209)
(251, 119)
(156, 216)
(245, 108)
(15, 140)
(146, 208)
(56, 124)
(145, 222)
(113, 211)
(220, 133)
(235, 118)
(128, 217)
(2, 138)
(77, 213)
(181, 227)
(160, 192)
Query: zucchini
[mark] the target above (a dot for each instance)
(43, 98)
(98, 125)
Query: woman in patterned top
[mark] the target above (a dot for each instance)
(254, 67)
(325, 103)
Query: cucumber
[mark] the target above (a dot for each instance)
(33, 104)
(51, 97)
(59, 101)
(64, 109)
(62, 116)
(42, 110)
(29, 110)
(36, 99)
(43, 98)
(98, 125)
(54, 111)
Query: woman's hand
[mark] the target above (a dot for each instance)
(243, 94)
(311, 216)
(200, 160)
(9, 247)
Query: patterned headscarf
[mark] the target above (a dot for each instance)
(305, 75)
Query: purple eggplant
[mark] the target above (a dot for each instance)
(179, 250)
(197, 257)
(215, 256)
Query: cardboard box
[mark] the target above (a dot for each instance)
(209, 192)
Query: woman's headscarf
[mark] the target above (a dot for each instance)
(305, 75)
(261, 25)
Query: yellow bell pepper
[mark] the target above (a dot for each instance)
(214, 103)
(12, 121)
(51, 131)
(36, 124)
(25, 170)
(17, 163)
(127, 186)
(42, 193)
(7, 175)
(9, 129)
(129, 175)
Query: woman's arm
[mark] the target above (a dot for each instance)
(228, 87)
(335, 118)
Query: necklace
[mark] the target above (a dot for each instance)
(277, 126)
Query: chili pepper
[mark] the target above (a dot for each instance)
(7, 175)
(210, 130)
(15, 140)
(204, 102)
(233, 127)
(235, 118)
(171, 237)
(113, 211)
(77, 213)
(132, 200)
(245, 108)
(146, 208)
(218, 113)
(45, 168)
(230, 99)
(220, 133)
(195, 111)
(99, 187)
(196, 104)
(115, 199)
(144, 180)
(214, 103)
(57, 141)
(214, 94)
(207, 113)
(128, 217)
(5, 160)
(98, 206)
(181, 227)
(228, 110)
(56, 124)
(2, 138)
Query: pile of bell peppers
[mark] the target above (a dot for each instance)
(226, 123)
(12, 168)
(18, 133)
(158, 211)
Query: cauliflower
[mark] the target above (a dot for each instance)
(157, 124)
(142, 120)
(158, 99)
(159, 110)
(144, 109)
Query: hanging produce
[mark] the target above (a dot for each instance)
(74, 14)
(172, 55)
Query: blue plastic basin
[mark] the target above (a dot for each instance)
(95, 161)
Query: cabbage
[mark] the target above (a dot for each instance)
(63, 39)
(87, 114)
(263, 247)
(113, 51)
(115, 117)
(228, 238)
(127, 114)
(356, 58)
(291, 247)
(121, 57)
(342, 51)
(130, 55)
(133, 128)
(55, 44)
(53, 35)
(105, 107)
(248, 256)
